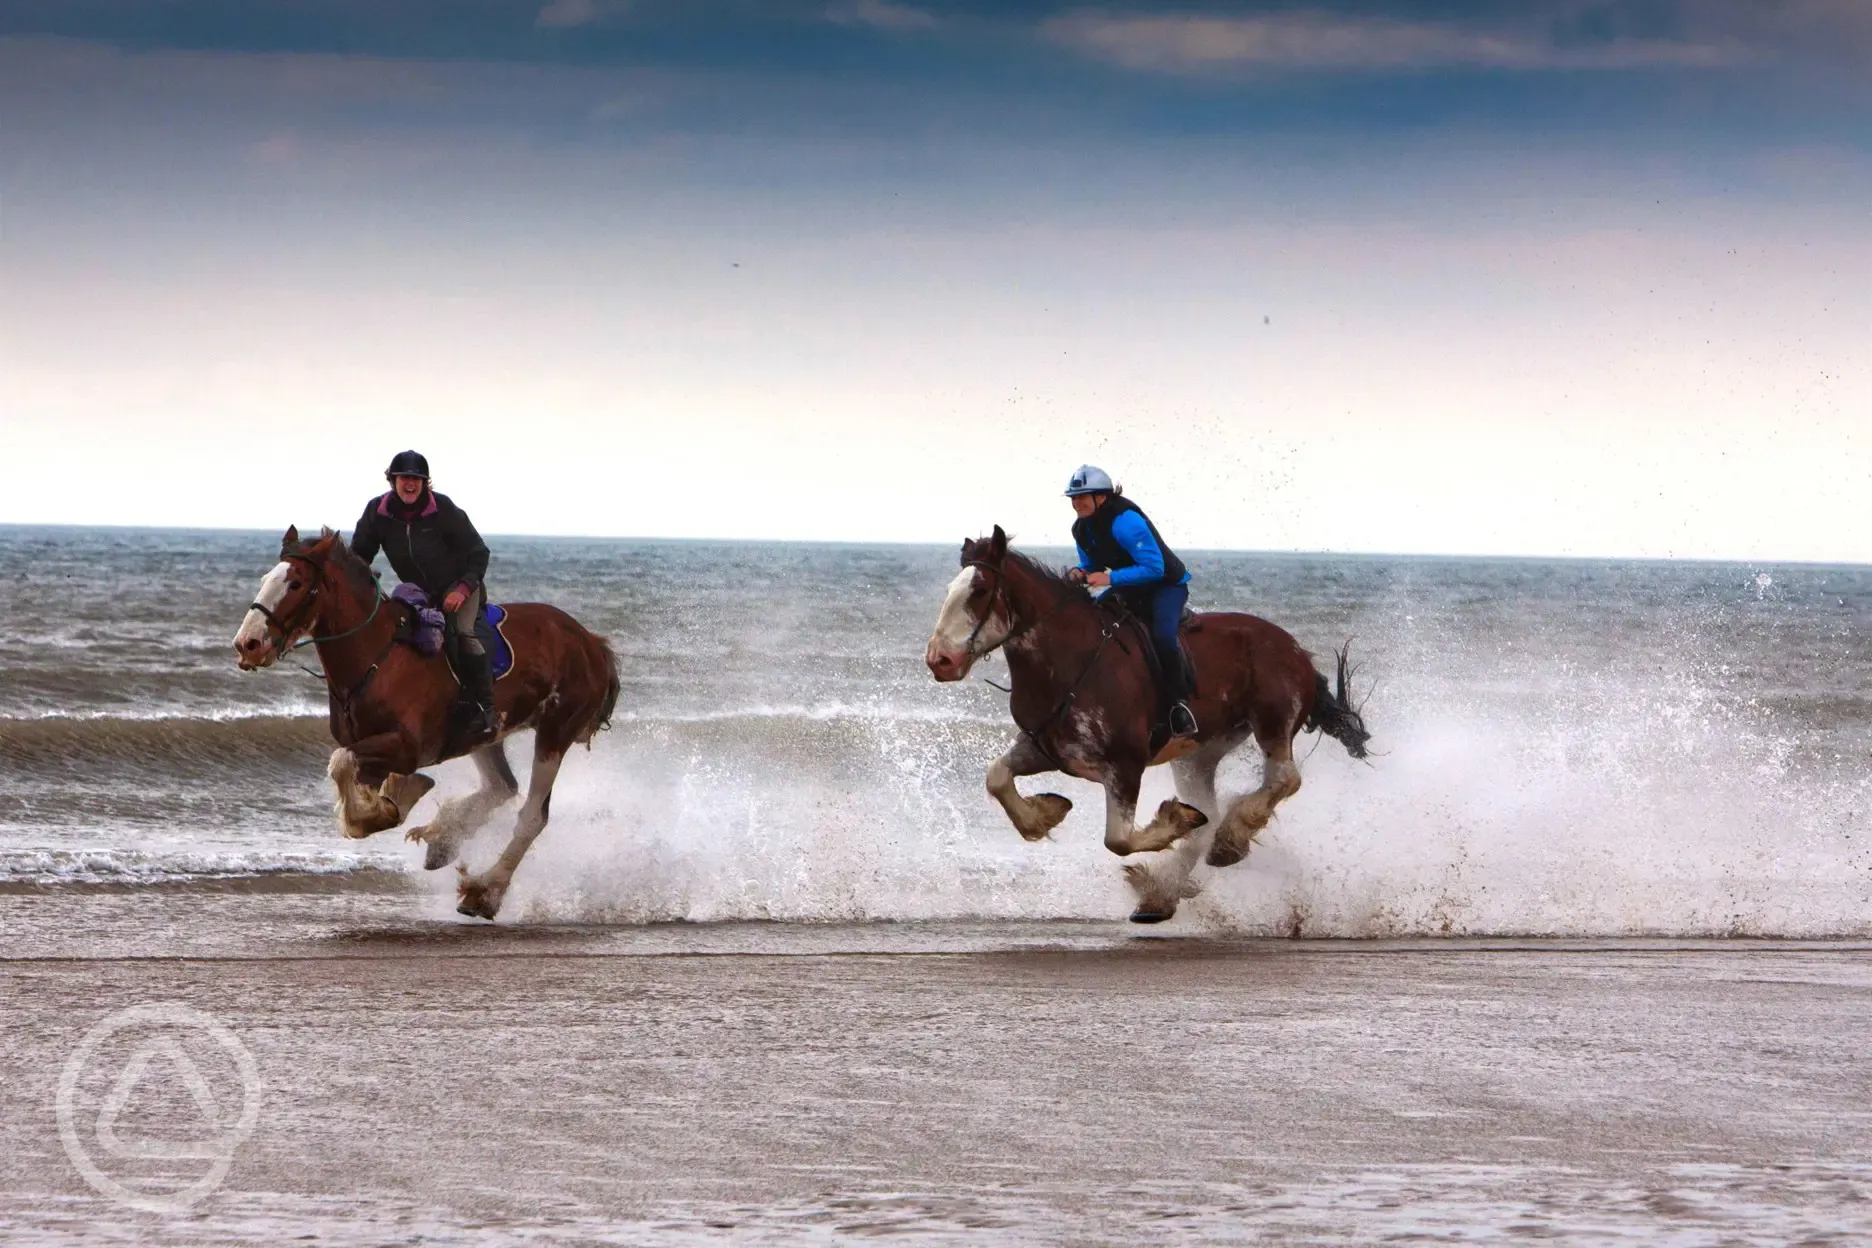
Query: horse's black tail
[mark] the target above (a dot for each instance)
(1333, 712)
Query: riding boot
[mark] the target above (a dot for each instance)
(477, 687)
(1174, 665)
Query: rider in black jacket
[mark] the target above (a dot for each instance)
(430, 542)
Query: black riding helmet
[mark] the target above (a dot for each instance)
(407, 464)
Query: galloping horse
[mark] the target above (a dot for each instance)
(390, 704)
(1083, 697)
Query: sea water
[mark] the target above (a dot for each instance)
(1559, 747)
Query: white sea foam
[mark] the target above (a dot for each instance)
(149, 865)
(295, 708)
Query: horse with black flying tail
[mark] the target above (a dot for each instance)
(1084, 696)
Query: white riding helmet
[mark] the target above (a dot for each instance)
(1090, 480)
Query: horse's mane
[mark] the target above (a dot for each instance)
(343, 560)
(1049, 580)
(1052, 579)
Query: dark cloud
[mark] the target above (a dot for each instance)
(1735, 69)
(1322, 40)
(1357, 34)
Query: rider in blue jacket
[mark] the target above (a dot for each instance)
(1120, 547)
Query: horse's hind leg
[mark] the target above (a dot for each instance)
(480, 895)
(1162, 884)
(1033, 817)
(1280, 780)
(461, 817)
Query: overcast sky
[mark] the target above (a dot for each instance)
(1553, 277)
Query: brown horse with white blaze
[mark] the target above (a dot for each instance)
(1084, 697)
(391, 704)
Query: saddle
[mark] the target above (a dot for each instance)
(423, 626)
(1138, 629)
(1133, 627)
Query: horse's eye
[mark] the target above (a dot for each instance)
(293, 585)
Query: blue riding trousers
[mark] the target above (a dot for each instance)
(1163, 611)
(1166, 615)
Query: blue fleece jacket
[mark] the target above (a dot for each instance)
(1135, 536)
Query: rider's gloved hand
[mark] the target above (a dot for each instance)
(456, 597)
(1076, 575)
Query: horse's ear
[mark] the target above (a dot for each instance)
(997, 544)
(290, 542)
(325, 531)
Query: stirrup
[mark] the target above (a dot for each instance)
(479, 721)
(1182, 720)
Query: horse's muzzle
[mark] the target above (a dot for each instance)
(945, 666)
(255, 653)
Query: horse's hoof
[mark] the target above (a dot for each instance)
(478, 906)
(1051, 811)
(476, 898)
(1174, 821)
(1221, 855)
(403, 792)
(1186, 815)
(1142, 915)
(438, 855)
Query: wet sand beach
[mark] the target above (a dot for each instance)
(428, 1081)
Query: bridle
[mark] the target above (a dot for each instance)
(308, 609)
(999, 600)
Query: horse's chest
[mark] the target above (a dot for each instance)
(1077, 740)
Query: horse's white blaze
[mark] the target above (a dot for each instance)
(272, 593)
(954, 622)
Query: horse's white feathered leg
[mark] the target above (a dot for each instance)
(461, 817)
(354, 809)
(1280, 780)
(363, 811)
(1161, 884)
(1033, 817)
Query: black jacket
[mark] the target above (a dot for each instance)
(437, 549)
(1094, 535)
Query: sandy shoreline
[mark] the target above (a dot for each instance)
(430, 1081)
